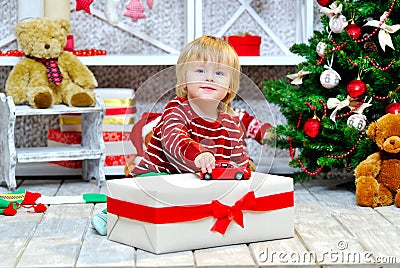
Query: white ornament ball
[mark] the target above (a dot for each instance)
(338, 23)
(329, 78)
(321, 49)
(359, 121)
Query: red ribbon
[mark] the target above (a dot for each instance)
(120, 111)
(223, 213)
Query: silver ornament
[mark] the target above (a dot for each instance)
(321, 49)
(338, 23)
(359, 121)
(329, 78)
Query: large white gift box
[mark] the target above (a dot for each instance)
(170, 213)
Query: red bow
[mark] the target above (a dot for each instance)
(225, 214)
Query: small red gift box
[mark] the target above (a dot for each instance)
(246, 45)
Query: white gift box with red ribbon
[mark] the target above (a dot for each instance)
(119, 115)
(170, 213)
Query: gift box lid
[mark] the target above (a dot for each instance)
(243, 39)
(188, 189)
(119, 93)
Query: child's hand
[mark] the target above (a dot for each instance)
(270, 137)
(205, 161)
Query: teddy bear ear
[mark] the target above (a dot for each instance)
(64, 24)
(21, 27)
(371, 132)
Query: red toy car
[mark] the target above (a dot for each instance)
(226, 170)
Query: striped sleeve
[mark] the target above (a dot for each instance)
(176, 138)
(255, 129)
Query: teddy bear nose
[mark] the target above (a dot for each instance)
(47, 46)
(392, 142)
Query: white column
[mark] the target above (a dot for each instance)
(57, 9)
(60, 9)
(28, 9)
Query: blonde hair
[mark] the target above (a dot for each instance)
(211, 49)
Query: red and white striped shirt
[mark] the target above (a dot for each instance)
(181, 135)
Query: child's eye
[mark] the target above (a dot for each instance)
(219, 73)
(200, 70)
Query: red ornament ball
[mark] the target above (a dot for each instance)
(325, 3)
(353, 30)
(356, 88)
(393, 108)
(312, 127)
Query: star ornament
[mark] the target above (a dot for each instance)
(135, 9)
(83, 5)
(384, 32)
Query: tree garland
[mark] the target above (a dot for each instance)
(292, 151)
(379, 26)
(339, 47)
(350, 151)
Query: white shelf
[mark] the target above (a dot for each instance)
(61, 153)
(56, 109)
(91, 149)
(51, 169)
(270, 60)
(139, 60)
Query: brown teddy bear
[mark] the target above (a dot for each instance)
(47, 74)
(378, 177)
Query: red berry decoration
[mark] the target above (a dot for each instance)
(393, 108)
(312, 127)
(356, 88)
(10, 210)
(353, 30)
(40, 208)
(325, 3)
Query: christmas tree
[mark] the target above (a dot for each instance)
(348, 79)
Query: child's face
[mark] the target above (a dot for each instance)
(207, 80)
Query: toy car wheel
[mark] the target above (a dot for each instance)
(207, 176)
(239, 176)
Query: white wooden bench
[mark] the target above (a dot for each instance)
(91, 149)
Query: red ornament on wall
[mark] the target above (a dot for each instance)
(312, 127)
(356, 88)
(353, 30)
(325, 3)
(393, 108)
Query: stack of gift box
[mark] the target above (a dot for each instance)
(117, 125)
